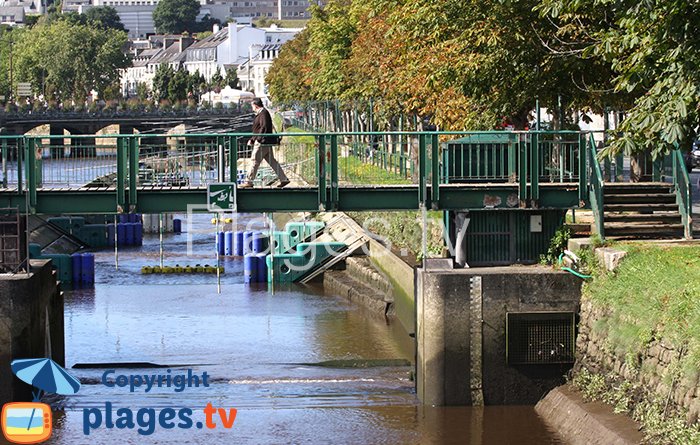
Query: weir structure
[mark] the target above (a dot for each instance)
(475, 328)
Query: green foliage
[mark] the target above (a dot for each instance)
(217, 80)
(653, 48)
(68, 58)
(142, 91)
(105, 17)
(175, 16)
(464, 63)
(232, 79)
(557, 245)
(404, 230)
(175, 86)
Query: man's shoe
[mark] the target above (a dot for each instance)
(282, 184)
(246, 185)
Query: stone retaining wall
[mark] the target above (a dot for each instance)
(652, 371)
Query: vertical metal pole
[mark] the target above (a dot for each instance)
(539, 120)
(4, 163)
(160, 220)
(422, 167)
(334, 172)
(218, 257)
(435, 169)
(271, 233)
(116, 244)
(424, 240)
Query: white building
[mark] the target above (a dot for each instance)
(225, 49)
(253, 71)
(249, 50)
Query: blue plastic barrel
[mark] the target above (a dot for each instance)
(87, 271)
(220, 242)
(77, 265)
(258, 242)
(110, 235)
(177, 225)
(124, 218)
(138, 234)
(238, 243)
(129, 234)
(261, 268)
(248, 242)
(121, 234)
(250, 268)
(228, 243)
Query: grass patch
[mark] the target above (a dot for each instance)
(653, 295)
(404, 230)
(355, 171)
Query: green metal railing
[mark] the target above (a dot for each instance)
(596, 188)
(681, 183)
(521, 163)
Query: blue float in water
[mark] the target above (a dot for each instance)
(87, 271)
(248, 242)
(228, 243)
(258, 242)
(77, 266)
(250, 268)
(121, 234)
(238, 243)
(261, 267)
(138, 234)
(129, 234)
(110, 235)
(220, 242)
(177, 225)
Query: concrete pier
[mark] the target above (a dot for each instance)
(461, 332)
(31, 324)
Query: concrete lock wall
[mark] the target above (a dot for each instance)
(31, 324)
(461, 333)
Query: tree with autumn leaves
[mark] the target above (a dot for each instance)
(473, 63)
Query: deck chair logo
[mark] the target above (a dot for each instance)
(221, 197)
(30, 422)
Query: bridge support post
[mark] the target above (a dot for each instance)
(126, 129)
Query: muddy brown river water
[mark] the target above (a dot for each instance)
(259, 349)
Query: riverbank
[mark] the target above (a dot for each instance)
(638, 344)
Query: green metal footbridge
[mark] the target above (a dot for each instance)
(353, 171)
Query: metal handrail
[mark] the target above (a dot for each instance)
(681, 182)
(596, 185)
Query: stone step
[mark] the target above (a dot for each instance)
(640, 208)
(345, 285)
(616, 188)
(645, 230)
(643, 198)
(360, 268)
(666, 217)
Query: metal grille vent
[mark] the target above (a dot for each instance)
(535, 338)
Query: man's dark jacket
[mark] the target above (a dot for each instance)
(263, 124)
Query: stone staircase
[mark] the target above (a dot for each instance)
(362, 284)
(641, 210)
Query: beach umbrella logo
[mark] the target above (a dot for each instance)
(30, 422)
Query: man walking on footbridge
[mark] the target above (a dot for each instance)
(262, 146)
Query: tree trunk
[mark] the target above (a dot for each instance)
(636, 167)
